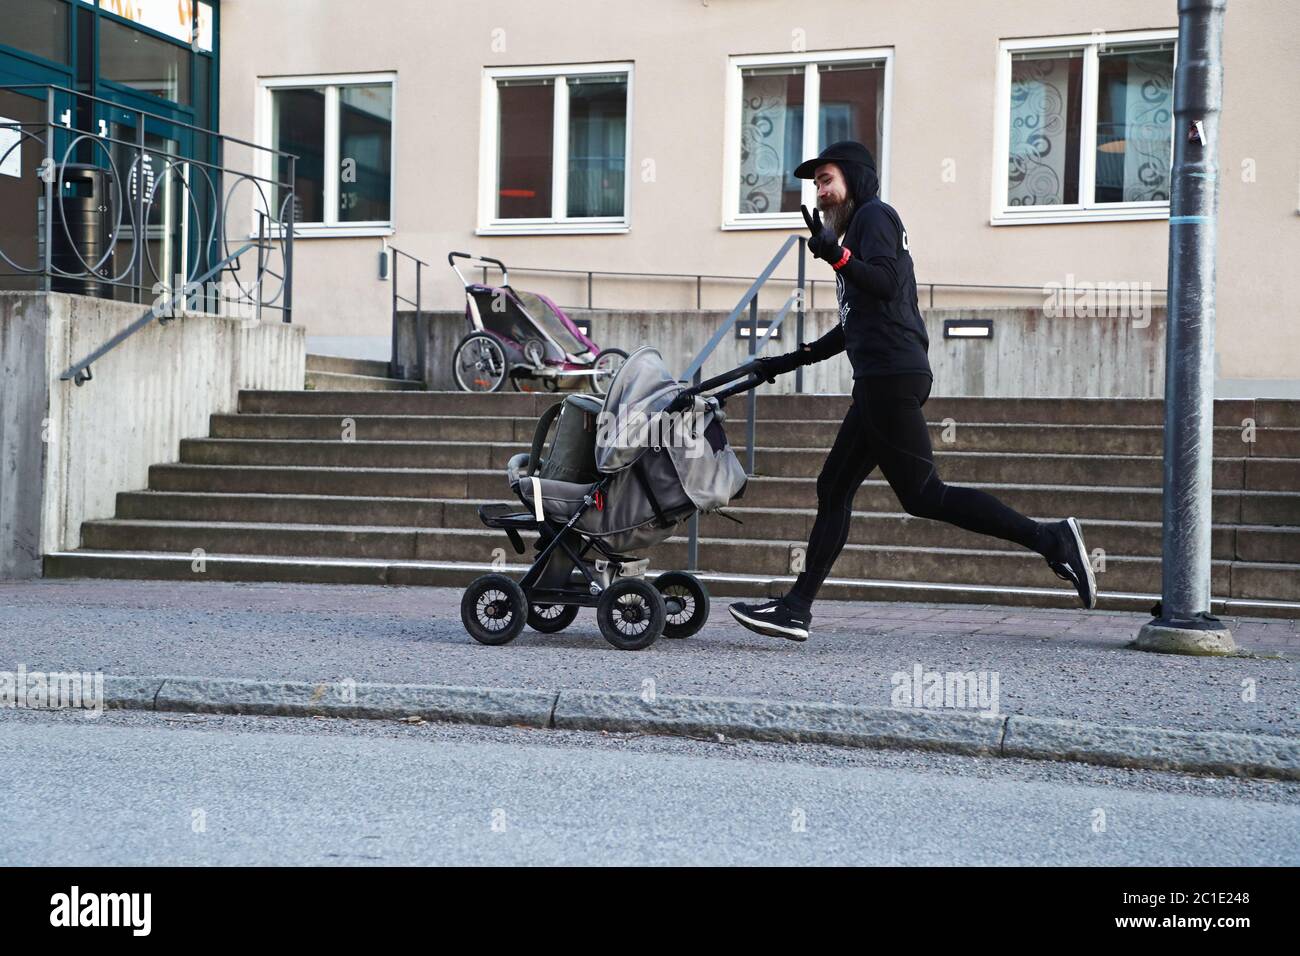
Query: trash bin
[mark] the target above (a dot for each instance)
(82, 202)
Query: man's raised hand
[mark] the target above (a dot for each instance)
(822, 243)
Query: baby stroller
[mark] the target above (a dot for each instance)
(523, 338)
(620, 476)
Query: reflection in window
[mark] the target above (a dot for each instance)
(1135, 104)
(36, 26)
(525, 156)
(144, 63)
(365, 152)
(597, 142)
(298, 127)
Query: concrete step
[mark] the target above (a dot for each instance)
(1256, 474)
(817, 434)
(988, 567)
(1263, 413)
(1139, 538)
(1123, 504)
(340, 381)
(371, 368)
(418, 543)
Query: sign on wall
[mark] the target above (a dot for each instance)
(11, 163)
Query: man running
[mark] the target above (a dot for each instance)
(881, 328)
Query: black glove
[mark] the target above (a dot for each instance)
(822, 243)
(770, 366)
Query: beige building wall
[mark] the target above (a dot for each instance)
(944, 105)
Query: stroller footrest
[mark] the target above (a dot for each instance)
(509, 519)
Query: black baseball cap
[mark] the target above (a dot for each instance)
(845, 151)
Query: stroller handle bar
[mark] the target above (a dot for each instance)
(453, 256)
(748, 372)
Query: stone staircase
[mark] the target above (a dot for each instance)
(334, 373)
(382, 487)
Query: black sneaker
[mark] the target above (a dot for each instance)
(1074, 565)
(774, 619)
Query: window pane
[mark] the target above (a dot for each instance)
(597, 136)
(35, 26)
(524, 138)
(771, 139)
(852, 104)
(298, 127)
(1135, 113)
(143, 62)
(1046, 105)
(365, 152)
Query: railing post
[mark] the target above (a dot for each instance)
(261, 261)
(421, 339)
(798, 329)
(693, 526)
(51, 178)
(140, 226)
(288, 239)
(699, 290)
(753, 392)
(392, 349)
(588, 290)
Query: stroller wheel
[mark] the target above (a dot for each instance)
(493, 609)
(551, 618)
(686, 601)
(606, 363)
(631, 614)
(480, 363)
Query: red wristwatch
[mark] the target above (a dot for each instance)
(845, 255)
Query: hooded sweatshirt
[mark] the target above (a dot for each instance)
(880, 323)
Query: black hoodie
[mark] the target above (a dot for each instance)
(880, 321)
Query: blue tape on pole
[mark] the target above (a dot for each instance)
(1178, 220)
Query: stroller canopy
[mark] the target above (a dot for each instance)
(633, 420)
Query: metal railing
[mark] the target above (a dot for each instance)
(698, 279)
(155, 228)
(693, 371)
(395, 255)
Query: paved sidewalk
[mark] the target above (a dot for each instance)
(1049, 663)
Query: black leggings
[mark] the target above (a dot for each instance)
(885, 426)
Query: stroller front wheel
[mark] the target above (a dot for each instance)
(686, 600)
(493, 609)
(551, 618)
(631, 614)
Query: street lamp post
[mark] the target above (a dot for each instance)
(1184, 623)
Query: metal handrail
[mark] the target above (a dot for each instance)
(395, 369)
(749, 300)
(699, 277)
(80, 372)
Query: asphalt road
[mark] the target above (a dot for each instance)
(153, 789)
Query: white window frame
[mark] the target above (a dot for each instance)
(488, 222)
(1087, 209)
(731, 218)
(263, 112)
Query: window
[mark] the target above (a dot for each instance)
(1085, 128)
(555, 142)
(143, 62)
(36, 26)
(767, 136)
(341, 130)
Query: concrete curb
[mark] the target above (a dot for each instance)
(1154, 748)
(474, 705)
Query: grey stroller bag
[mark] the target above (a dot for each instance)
(665, 467)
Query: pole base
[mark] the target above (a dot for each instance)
(1203, 635)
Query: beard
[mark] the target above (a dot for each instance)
(839, 215)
